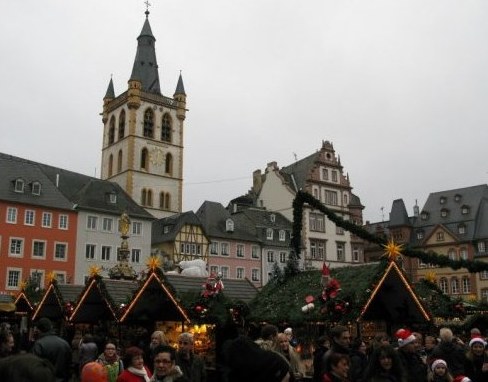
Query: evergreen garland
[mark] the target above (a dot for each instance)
(473, 266)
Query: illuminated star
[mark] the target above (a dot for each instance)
(23, 285)
(94, 270)
(51, 276)
(393, 250)
(153, 263)
(431, 277)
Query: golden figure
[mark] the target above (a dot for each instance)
(124, 224)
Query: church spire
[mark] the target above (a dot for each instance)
(180, 88)
(145, 67)
(110, 90)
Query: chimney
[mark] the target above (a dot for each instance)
(257, 182)
(416, 210)
(57, 180)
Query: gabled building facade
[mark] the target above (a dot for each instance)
(38, 226)
(65, 223)
(143, 134)
(320, 174)
(180, 237)
(452, 223)
(235, 250)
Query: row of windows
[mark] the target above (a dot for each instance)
(283, 256)
(107, 225)
(453, 286)
(14, 277)
(270, 234)
(222, 248)
(318, 251)
(326, 172)
(445, 212)
(107, 253)
(20, 187)
(164, 199)
(190, 249)
(39, 248)
(30, 218)
(148, 129)
(239, 273)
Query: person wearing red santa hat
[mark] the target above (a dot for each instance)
(462, 378)
(415, 368)
(477, 365)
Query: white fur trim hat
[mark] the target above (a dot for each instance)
(438, 362)
(477, 339)
(461, 378)
(404, 337)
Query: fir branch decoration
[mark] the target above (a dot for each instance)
(473, 266)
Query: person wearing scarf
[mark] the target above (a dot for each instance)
(165, 368)
(111, 361)
(135, 370)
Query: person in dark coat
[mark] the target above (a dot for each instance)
(384, 365)
(359, 360)
(477, 360)
(165, 368)
(318, 355)
(449, 351)
(53, 348)
(341, 342)
(191, 364)
(414, 366)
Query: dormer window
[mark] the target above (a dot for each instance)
(442, 200)
(420, 235)
(444, 212)
(229, 225)
(112, 197)
(269, 233)
(457, 198)
(465, 210)
(424, 215)
(19, 185)
(272, 217)
(36, 188)
(461, 229)
(166, 229)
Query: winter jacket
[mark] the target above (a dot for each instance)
(57, 351)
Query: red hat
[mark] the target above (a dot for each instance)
(404, 336)
(461, 378)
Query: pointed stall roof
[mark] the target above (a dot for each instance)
(154, 301)
(394, 300)
(22, 304)
(52, 304)
(145, 67)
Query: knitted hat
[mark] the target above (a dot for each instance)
(461, 378)
(94, 372)
(404, 337)
(477, 339)
(438, 362)
(248, 362)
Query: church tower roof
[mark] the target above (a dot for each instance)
(145, 67)
(110, 90)
(180, 88)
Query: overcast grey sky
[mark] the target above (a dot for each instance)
(400, 87)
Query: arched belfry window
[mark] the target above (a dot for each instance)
(111, 131)
(167, 201)
(149, 198)
(148, 123)
(169, 164)
(143, 197)
(110, 165)
(122, 124)
(166, 128)
(119, 161)
(144, 159)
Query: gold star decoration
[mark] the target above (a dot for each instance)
(431, 277)
(51, 276)
(392, 250)
(23, 285)
(94, 270)
(153, 263)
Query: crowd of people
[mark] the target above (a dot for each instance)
(273, 357)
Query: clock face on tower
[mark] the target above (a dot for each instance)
(157, 157)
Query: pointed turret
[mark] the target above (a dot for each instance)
(180, 97)
(109, 96)
(145, 69)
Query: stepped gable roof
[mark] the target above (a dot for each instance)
(235, 289)
(174, 223)
(154, 300)
(297, 174)
(214, 216)
(14, 168)
(398, 214)
(451, 203)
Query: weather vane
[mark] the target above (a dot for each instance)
(148, 4)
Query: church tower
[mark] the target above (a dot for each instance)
(143, 134)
